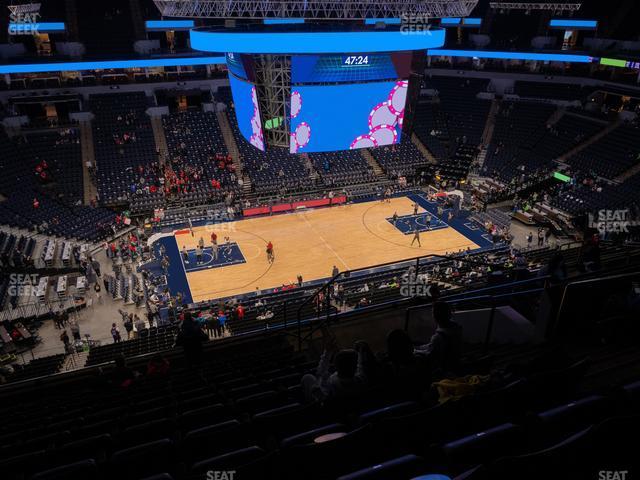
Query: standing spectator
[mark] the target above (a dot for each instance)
(212, 325)
(154, 311)
(529, 239)
(75, 329)
(139, 324)
(191, 337)
(128, 327)
(115, 333)
(64, 338)
(240, 312)
(222, 321)
(96, 265)
(335, 271)
(58, 319)
(97, 289)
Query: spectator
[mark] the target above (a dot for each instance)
(404, 371)
(128, 326)
(347, 380)
(191, 337)
(121, 375)
(75, 329)
(64, 338)
(97, 289)
(556, 269)
(158, 366)
(222, 321)
(240, 312)
(445, 347)
(115, 333)
(139, 324)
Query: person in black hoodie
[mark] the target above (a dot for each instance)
(191, 337)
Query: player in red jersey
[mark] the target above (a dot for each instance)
(214, 238)
(270, 256)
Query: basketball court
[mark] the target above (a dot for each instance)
(310, 243)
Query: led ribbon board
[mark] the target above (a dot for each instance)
(573, 24)
(166, 25)
(292, 42)
(542, 57)
(109, 65)
(615, 62)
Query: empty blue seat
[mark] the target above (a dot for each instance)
(81, 470)
(400, 468)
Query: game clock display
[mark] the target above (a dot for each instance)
(355, 61)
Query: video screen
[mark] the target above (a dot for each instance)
(349, 68)
(235, 64)
(245, 100)
(342, 117)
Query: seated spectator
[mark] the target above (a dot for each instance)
(445, 347)
(404, 372)
(556, 269)
(157, 366)
(347, 380)
(121, 375)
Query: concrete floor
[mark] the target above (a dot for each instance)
(95, 320)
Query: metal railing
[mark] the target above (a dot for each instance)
(581, 281)
(348, 274)
(492, 301)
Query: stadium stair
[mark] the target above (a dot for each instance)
(232, 148)
(590, 141)
(88, 158)
(423, 149)
(377, 169)
(159, 137)
(490, 126)
(306, 160)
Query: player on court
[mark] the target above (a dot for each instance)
(201, 242)
(185, 254)
(191, 227)
(214, 238)
(416, 236)
(198, 254)
(227, 246)
(415, 209)
(270, 257)
(394, 219)
(214, 251)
